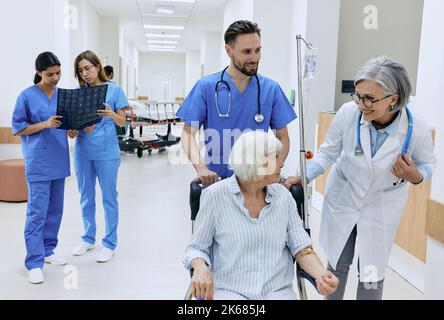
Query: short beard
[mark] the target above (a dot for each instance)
(244, 70)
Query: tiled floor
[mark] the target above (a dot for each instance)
(153, 233)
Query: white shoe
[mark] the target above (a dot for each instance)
(35, 276)
(82, 249)
(105, 255)
(56, 260)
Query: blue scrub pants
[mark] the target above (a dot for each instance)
(87, 171)
(43, 218)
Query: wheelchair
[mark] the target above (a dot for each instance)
(298, 195)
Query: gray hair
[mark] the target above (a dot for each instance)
(249, 154)
(389, 74)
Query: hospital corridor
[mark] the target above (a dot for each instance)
(227, 150)
(155, 229)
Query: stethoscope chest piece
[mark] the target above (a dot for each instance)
(259, 118)
(359, 151)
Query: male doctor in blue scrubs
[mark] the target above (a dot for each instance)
(231, 102)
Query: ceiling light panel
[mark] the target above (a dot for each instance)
(176, 1)
(162, 9)
(162, 41)
(158, 35)
(163, 27)
(161, 47)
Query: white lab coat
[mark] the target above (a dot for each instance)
(360, 190)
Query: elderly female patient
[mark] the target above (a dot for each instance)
(248, 231)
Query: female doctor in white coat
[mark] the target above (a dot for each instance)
(377, 145)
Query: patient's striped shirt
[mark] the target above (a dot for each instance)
(250, 258)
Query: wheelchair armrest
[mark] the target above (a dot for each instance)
(195, 192)
(298, 195)
(302, 274)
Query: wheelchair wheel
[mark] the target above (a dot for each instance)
(139, 152)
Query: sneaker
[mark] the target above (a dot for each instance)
(35, 276)
(82, 249)
(56, 260)
(105, 255)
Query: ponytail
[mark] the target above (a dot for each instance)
(37, 78)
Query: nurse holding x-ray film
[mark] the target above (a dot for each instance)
(46, 154)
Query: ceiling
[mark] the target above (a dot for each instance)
(196, 17)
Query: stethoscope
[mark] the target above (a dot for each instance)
(358, 149)
(259, 117)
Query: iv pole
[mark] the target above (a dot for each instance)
(303, 154)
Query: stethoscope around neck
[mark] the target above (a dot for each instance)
(259, 117)
(358, 149)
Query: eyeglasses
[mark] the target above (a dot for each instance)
(87, 69)
(368, 102)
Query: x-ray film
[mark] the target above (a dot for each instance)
(78, 107)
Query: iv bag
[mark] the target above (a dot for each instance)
(310, 61)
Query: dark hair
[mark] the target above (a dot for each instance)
(108, 70)
(44, 61)
(240, 27)
(94, 59)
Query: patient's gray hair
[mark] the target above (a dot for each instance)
(249, 154)
(391, 75)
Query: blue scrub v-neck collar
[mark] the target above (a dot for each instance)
(44, 94)
(233, 85)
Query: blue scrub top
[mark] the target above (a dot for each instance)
(102, 143)
(46, 153)
(199, 109)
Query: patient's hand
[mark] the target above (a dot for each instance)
(202, 283)
(327, 283)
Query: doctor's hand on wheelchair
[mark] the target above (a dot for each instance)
(291, 181)
(206, 176)
(202, 285)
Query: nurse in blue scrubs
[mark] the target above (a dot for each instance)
(232, 101)
(45, 150)
(97, 157)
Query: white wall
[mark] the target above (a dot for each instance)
(431, 84)
(209, 49)
(397, 36)
(162, 76)
(298, 25)
(86, 36)
(192, 69)
(234, 10)
(109, 44)
(274, 37)
(132, 70)
(39, 28)
(318, 93)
